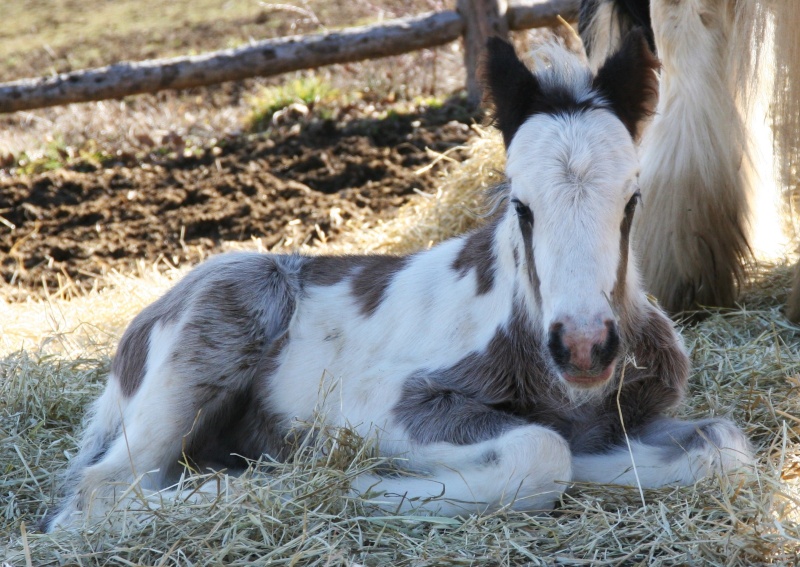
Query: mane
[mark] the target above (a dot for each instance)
(603, 23)
(562, 72)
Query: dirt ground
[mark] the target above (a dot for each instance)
(298, 183)
(185, 176)
(58, 36)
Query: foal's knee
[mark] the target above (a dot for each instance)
(547, 452)
(540, 461)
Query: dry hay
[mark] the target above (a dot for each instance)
(746, 364)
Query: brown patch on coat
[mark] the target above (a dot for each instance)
(243, 422)
(369, 275)
(655, 379)
(129, 362)
(479, 397)
(511, 382)
(478, 253)
(329, 270)
(373, 277)
(533, 275)
(128, 366)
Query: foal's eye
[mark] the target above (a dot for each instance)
(635, 198)
(523, 211)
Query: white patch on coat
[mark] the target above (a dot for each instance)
(435, 319)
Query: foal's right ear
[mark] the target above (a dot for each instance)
(629, 82)
(510, 85)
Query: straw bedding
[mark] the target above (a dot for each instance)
(54, 356)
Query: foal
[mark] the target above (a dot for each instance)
(499, 364)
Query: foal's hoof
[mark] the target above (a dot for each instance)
(720, 449)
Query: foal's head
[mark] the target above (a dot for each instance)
(572, 170)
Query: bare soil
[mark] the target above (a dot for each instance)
(297, 184)
(184, 179)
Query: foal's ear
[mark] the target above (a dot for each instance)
(510, 85)
(629, 82)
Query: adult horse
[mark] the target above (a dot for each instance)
(726, 64)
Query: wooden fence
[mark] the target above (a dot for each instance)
(474, 20)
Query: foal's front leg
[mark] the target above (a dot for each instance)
(468, 457)
(669, 451)
(526, 468)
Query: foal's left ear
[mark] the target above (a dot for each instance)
(629, 82)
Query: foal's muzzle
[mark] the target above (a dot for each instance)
(585, 355)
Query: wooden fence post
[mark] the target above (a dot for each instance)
(482, 20)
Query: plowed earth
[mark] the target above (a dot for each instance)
(63, 228)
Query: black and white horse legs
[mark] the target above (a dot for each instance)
(525, 468)
(116, 453)
(668, 451)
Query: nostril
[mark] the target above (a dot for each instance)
(612, 338)
(555, 342)
(605, 353)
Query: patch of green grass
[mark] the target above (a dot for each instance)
(430, 102)
(57, 154)
(312, 92)
(53, 156)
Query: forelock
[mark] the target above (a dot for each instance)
(561, 71)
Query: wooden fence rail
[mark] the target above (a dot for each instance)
(281, 55)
